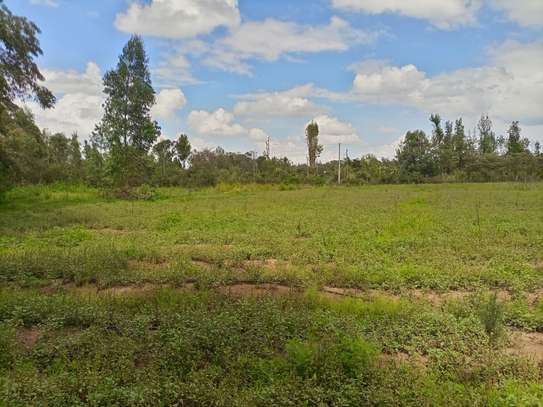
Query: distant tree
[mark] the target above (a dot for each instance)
(459, 144)
(369, 169)
(93, 165)
(537, 149)
(75, 158)
(314, 149)
(19, 73)
(487, 139)
(437, 133)
(183, 149)
(22, 149)
(414, 157)
(442, 144)
(164, 151)
(515, 144)
(58, 149)
(127, 130)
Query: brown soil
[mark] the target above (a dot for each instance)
(130, 290)
(255, 290)
(202, 262)
(145, 264)
(435, 298)
(534, 297)
(268, 263)
(112, 231)
(398, 358)
(28, 337)
(528, 345)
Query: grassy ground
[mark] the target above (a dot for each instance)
(273, 296)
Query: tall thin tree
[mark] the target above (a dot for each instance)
(314, 149)
(127, 129)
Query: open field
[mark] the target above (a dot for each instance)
(262, 295)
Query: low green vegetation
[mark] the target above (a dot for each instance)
(267, 295)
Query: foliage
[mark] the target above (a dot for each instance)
(314, 149)
(109, 301)
(19, 74)
(127, 130)
(492, 318)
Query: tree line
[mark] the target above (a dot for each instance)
(125, 149)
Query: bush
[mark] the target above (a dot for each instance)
(142, 193)
(492, 316)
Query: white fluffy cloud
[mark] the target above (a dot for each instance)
(524, 12)
(79, 104)
(258, 135)
(221, 123)
(178, 18)
(217, 123)
(168, 101)
(174, 71)
(290, 103)
(333, 131)
(441, 13)
(384, 150)
(446, 14)
(49, 3)
(377, 81)
(72, 81)
(269, 39)
(80, 97)
(509, 87)
(272, 39)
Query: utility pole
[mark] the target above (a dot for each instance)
(339, 165)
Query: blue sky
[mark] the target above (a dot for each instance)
(232, 73)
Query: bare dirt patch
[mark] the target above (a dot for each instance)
(202, 262)
(28, 337)
(528, 345)
(130, 290)
(398, 358)
(112, 231)
(147, 264)
(436, 298)
(255, 290)
(271, 264)
(534, 297)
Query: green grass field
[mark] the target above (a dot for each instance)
(384, 295)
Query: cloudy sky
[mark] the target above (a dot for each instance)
(232, 73)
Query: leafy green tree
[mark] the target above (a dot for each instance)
(442, 144)
(75, 159)
(93, 164)
(487, 139)
(516, 144)
(21, 153)
(183, 149)
(19, 73)
(414, 157)
(314, 149)
(437, 133)
(23, 149)
(127, 130)
(460, 145)
(164, 151)
(57, 157)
